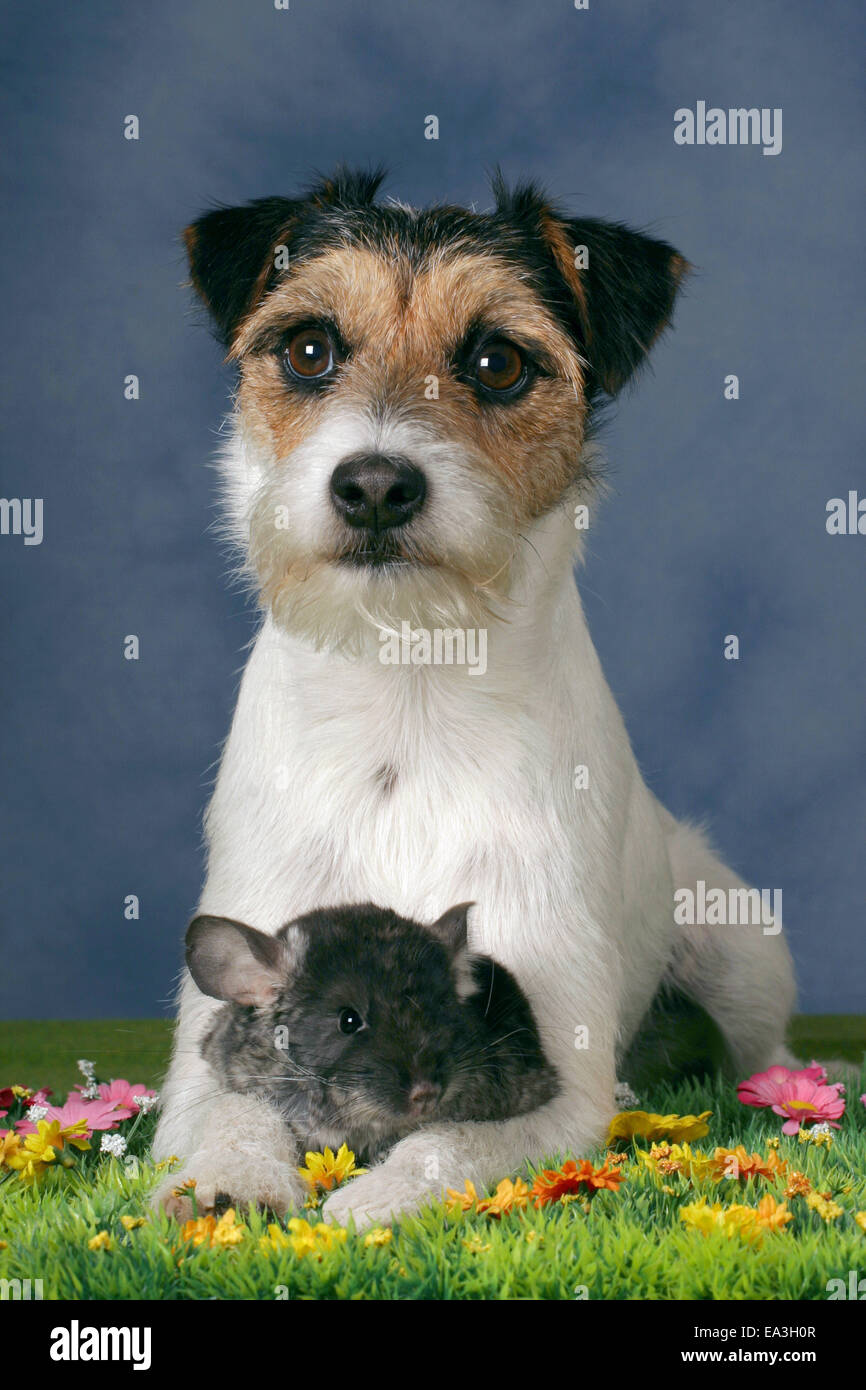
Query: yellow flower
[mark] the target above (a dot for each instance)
(699, 1216)
(860, 1218)
(22, 1092)
(213, 1233)
(10, 1143)
(312, 1240)
(509, 1196)
(32, 1157)
(675, 1158)
(275, 1240)
(228, 1231)
(380, 1235)
(327, 1170)
(476, 1245)
(75, 1134)
(198, 1229)
(130, 1223)
(826, 1209)
(629, 1123)
(330, 1236)
(459, 1202)
(102, 1241)
(746, 1223)
(819, 1137)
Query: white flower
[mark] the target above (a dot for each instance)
(145, 1103)
(37, 1112)
(90, 1091)
(822, 1128)
(624, 1096)
(87, 1069)
(113, 1144)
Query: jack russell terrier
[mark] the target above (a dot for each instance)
(409, 450)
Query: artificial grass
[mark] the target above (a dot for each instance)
(628, 1245)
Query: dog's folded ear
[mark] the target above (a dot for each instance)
(625, 293)
(231, 256)
(233, 251)
(622, 283)
(229, 960)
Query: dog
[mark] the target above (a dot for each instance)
(411, 439)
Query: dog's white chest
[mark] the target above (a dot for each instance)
(356, 787)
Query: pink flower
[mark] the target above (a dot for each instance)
(801, 1096)
(123, 1093)
(803, 1101)
(762, 1088)
(39, 1097)
(98, 1114)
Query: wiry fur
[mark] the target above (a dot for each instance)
(575, 889)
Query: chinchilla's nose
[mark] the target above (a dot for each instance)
(423, 1097)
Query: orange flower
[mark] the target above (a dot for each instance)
(771, 1215)
(736, 1163)
(459, 1202)
(552, 1184)
(509, 1196)
(798, 1184)
(212, 1233)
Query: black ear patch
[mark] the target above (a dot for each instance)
(629, 287)
(231, 250)
(622, 283)
(231, 254)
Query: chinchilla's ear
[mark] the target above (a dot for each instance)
(231, 961)
(451, 927)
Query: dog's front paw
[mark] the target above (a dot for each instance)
(218, 1180)
(379, 1197)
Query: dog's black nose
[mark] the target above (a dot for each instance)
(377, 492)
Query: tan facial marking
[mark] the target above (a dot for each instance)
(402, 325)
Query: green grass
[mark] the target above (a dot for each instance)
(45, 1052)
(631, 1244)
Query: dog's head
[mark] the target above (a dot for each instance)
(415, 388)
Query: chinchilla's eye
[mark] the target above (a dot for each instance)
(350, 1021)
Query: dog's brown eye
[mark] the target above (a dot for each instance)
(310, 353)
(499, 366)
